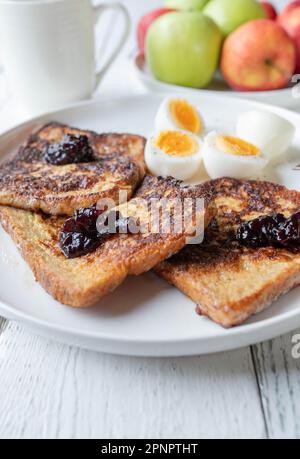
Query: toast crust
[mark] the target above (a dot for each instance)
(229, 282)
(28, 182)
(84, 281)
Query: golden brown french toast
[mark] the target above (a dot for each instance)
(82, 282)
(230, 282)
(29, 182)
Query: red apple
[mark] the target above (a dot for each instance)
(144, 24)
(289, 19)
(270, 10)
(258, 56)
(291, 6)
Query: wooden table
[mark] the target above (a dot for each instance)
(51, 390)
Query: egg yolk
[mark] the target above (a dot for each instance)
(236, 146)
(175, 143)
(186, 116)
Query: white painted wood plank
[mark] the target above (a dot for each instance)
(279, 380)
(49, 390)
(2, 324)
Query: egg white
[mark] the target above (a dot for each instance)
(161, 164)
(164, 120)
(221, 164)
(269, 132)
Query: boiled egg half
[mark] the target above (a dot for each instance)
(173, 153)
(228, 156)
(176, 113)
(270, 132)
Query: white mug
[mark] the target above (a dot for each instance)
(48, 50)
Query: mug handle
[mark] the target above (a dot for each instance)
(98, 10)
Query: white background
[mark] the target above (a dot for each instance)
(50, 390)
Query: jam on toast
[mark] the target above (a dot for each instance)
(83, 281)
(230, 282)
(29, 182)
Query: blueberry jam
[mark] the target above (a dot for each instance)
(84, 233)
(71, 150)
(271, 231)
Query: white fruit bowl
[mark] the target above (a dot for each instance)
(287, 98)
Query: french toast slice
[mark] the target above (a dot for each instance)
(29, 182)
(230, 282)
(83, 281)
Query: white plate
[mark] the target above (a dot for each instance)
(145, 316)
(286, 98)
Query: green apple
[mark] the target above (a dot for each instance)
(229, 14)
(186, 4)
(183, 48)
